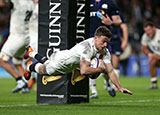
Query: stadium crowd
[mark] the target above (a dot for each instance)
(137, 12)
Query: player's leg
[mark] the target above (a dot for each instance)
(153, 72)
(34, 67)
(18, 64)
(115, 63)
(11, 70)
(92, 83)
(31, 54)
(8, 50)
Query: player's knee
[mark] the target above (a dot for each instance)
(152, 62)
(4, 57)
(17, 61)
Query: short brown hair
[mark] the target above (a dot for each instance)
(148, 23)
(103, 31)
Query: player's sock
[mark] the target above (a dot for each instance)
(154, 81)
(18, 78)
(40, 58)
(93, 86)
(34, 67)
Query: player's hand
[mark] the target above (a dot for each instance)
(124, 45)
(106, 20)
(123, 90)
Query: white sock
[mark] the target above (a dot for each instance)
(37, 67)
(92, 83)
(24, 80)
(32, 54)
(153, 79)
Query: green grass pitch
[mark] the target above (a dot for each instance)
(142, 102)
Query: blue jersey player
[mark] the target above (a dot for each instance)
(106, 12)
(110, 18)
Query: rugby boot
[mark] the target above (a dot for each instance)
(20, 84)
(94, 96)
(111, 90)
(29, 50)
(27, 74)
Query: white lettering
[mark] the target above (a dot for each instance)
(54, 28)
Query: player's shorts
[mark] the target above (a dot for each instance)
(19, 29)
(14, 47)
(59, 64)
(114, 47)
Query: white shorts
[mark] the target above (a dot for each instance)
(19, 30)
(60, 63)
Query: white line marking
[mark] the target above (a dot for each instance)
(20, 105)
(110, 102)
(127, 101)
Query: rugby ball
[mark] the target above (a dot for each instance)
(95, 63)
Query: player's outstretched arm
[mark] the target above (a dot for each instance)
(114, 79)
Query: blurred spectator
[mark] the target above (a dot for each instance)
(137, 12)
(5, 10)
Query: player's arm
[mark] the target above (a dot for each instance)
(114, 79)
(145, 50)
(125, 35)
(152, 56)
(85, 68)
(115, 22)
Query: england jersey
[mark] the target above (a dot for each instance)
(108, 6)
(152, 43)
(65, 61)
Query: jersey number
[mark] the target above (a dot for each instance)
(28, 15)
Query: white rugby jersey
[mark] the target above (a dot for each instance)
(152, 43)
(67, 60)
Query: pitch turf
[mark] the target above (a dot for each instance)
(143, 102)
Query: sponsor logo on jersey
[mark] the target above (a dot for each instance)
(93, 14)
(105, 6)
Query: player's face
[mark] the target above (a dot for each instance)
(150, 31)
(101, 42)
(98, 0)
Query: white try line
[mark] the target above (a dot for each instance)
(20, 105)
(110, 102)
(127, 101)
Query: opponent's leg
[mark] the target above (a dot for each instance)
(153, 72)
(94, 94)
